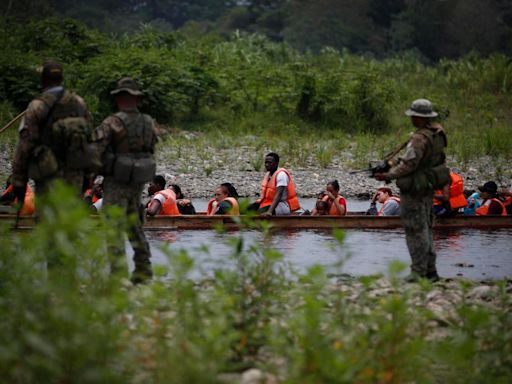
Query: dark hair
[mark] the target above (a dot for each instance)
(232, 192)
(386, 190)
(320, 204)
(177, 190)
(160, 180)
(335, 185)
(274, 155)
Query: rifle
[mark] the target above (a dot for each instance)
(8, 125)
(382, 166)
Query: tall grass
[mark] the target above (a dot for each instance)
(72, 322)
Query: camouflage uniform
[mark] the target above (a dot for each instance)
(415, 180)
(112, 137)
(33, 131)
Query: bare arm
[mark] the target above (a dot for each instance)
(277, 199)
(154, 207)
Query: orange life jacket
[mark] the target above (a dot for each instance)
(333, 211)
(94, 198)
(234, 211)
(391, 198)
(169, 207)
(457, 199)
(483, 210)
(268, 190)
(212, 204)
(29, 205)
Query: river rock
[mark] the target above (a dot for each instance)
(256, 376)
(482, 292)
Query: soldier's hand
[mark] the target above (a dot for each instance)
(19, 193)
(381, 176)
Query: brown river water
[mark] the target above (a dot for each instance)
(470, 253)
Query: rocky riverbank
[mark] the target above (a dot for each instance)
(198, 169)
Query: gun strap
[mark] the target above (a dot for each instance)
(394, 152)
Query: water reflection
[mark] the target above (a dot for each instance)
(363, 252)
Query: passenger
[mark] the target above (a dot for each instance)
(278, 195)
(93, 194)
(337, 205)
(506, 195)
(390, 204)
(449, 200)
(473, 204)
(321, 208)
(184, 205)
(231, 191)
(224, 203)
(9, 198)
(491, 204)
(163, 201)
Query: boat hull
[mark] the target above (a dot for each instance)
(296, 222)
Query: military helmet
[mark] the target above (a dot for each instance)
(127, 84)
(421, 108)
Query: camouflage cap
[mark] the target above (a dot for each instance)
(52, 70)
(421, 108)
(127, 84)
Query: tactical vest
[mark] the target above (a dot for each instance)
(431, 173)
(130, 157)
(65, 138)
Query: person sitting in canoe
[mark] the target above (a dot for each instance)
(321, 208)
(390, 204)
(184, 205)
(278, 194)
(163, 201)
(224, 202)
(8, 198)
(506, 195)
(449, 200)
(337, 205)
(491, 205)
(95, 193)
(473, 203)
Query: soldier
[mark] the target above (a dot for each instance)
(54, 137)
(126, 142)
(417, 174)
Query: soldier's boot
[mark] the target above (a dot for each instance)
(432, 276)
(142, 273)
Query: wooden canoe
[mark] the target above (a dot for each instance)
(297, 222)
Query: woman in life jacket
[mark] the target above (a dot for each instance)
(337, 205)
(184, 205)
(491, 205)
(225, 201)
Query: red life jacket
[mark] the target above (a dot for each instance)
(333, 211)
(483, 210)
(391, 198)
(29, 204)
(269, 189)
(169, 207)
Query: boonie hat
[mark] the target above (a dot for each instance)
(52, 70)
(490, 187)
(127, 84)
(421, 108)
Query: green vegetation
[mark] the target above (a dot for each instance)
(75, 323)
(248, 89)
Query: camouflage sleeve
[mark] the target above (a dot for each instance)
(102, 135)
(28, 140)
(414, 153)
(83, 105)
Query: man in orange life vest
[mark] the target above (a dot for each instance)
(224, 202)
(163, 201)
(450, 199)
(491, 204)
(278, 195)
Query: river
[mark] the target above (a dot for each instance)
(470, 253)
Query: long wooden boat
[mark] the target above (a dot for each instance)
(296, 222)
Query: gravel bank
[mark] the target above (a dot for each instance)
(199, 170)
